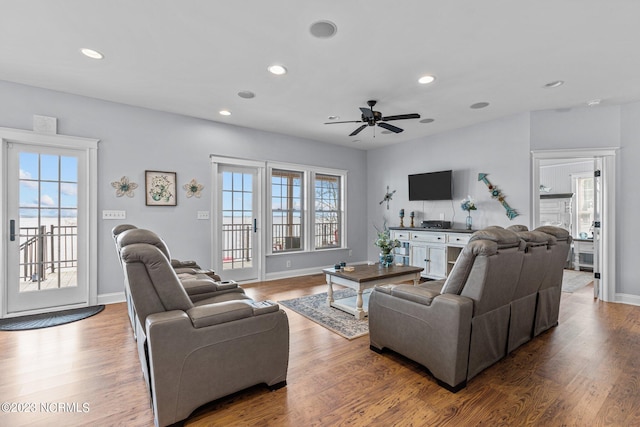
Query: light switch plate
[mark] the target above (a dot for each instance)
(203, 215)
(110, 214)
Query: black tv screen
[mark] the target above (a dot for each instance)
(431, 186)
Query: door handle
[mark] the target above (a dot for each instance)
(255, 225)
(12, 230)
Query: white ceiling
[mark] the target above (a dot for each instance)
(193, 57)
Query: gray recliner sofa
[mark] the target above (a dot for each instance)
(458, 327)
(199, 284)
(194, 352)
(503, 290)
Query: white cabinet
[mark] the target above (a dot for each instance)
(583, 254)
(432, 258)
(434, 250)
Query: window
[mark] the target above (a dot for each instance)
(286, 210)
(327, 211)
(583, 187)
(307, 208)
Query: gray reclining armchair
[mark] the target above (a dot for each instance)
(193, 353)
(458, 328)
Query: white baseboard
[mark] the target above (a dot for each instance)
(301, 272)
(111, 298)
(293, 273)
(627, 299)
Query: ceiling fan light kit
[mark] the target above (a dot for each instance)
(372, 118)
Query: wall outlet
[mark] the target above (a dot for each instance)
(441, 216)
(203, 215)
(114, 214)
(350, 252)
(288, 263)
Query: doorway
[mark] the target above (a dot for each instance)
(48, 211)
(237, 228)
(603, 199)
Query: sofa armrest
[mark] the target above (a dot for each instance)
(226, 285)
(185, 270)
(228, 311)
(186, 264)
(416, 294)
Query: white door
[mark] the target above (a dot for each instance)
(238, 232)
(46, 208)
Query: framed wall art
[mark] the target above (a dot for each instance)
(160, 188)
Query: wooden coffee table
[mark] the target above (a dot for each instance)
(365, 277)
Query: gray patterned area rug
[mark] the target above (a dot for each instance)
(315, 308)
(573, 281)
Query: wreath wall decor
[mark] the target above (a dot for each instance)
(497, 194)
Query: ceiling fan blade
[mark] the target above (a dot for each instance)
(367, 112)
(350, 121)
(357, 131)
(392, 128)
(401, 117)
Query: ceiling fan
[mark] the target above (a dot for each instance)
(372, 118)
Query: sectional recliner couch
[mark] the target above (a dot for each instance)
(503, 290)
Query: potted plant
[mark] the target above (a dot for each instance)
(468, 205)
(386, 245)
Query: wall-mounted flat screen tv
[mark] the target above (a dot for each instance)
(431, 186)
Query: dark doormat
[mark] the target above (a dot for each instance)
(45, 320)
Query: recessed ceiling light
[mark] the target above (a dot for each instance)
(479, 105)
(333, 117)
(278, 70)
(594, 102)
(554, 84)
(427, 120)
(323, 29)
(356, 140)
(246, 94)
(90, 53)
(426, 79)
(386, 132)
(225, 112)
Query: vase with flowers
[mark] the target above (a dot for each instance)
(386, 245)
(468, 205)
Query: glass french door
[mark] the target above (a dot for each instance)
(46, 196)
(238, 233)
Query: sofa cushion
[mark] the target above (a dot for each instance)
(557, 232)
(503, 238)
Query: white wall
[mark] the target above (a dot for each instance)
(599, 127)
(557, 177)
(499, 148)
(133, 140)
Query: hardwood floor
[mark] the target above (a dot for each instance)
(584, 372)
